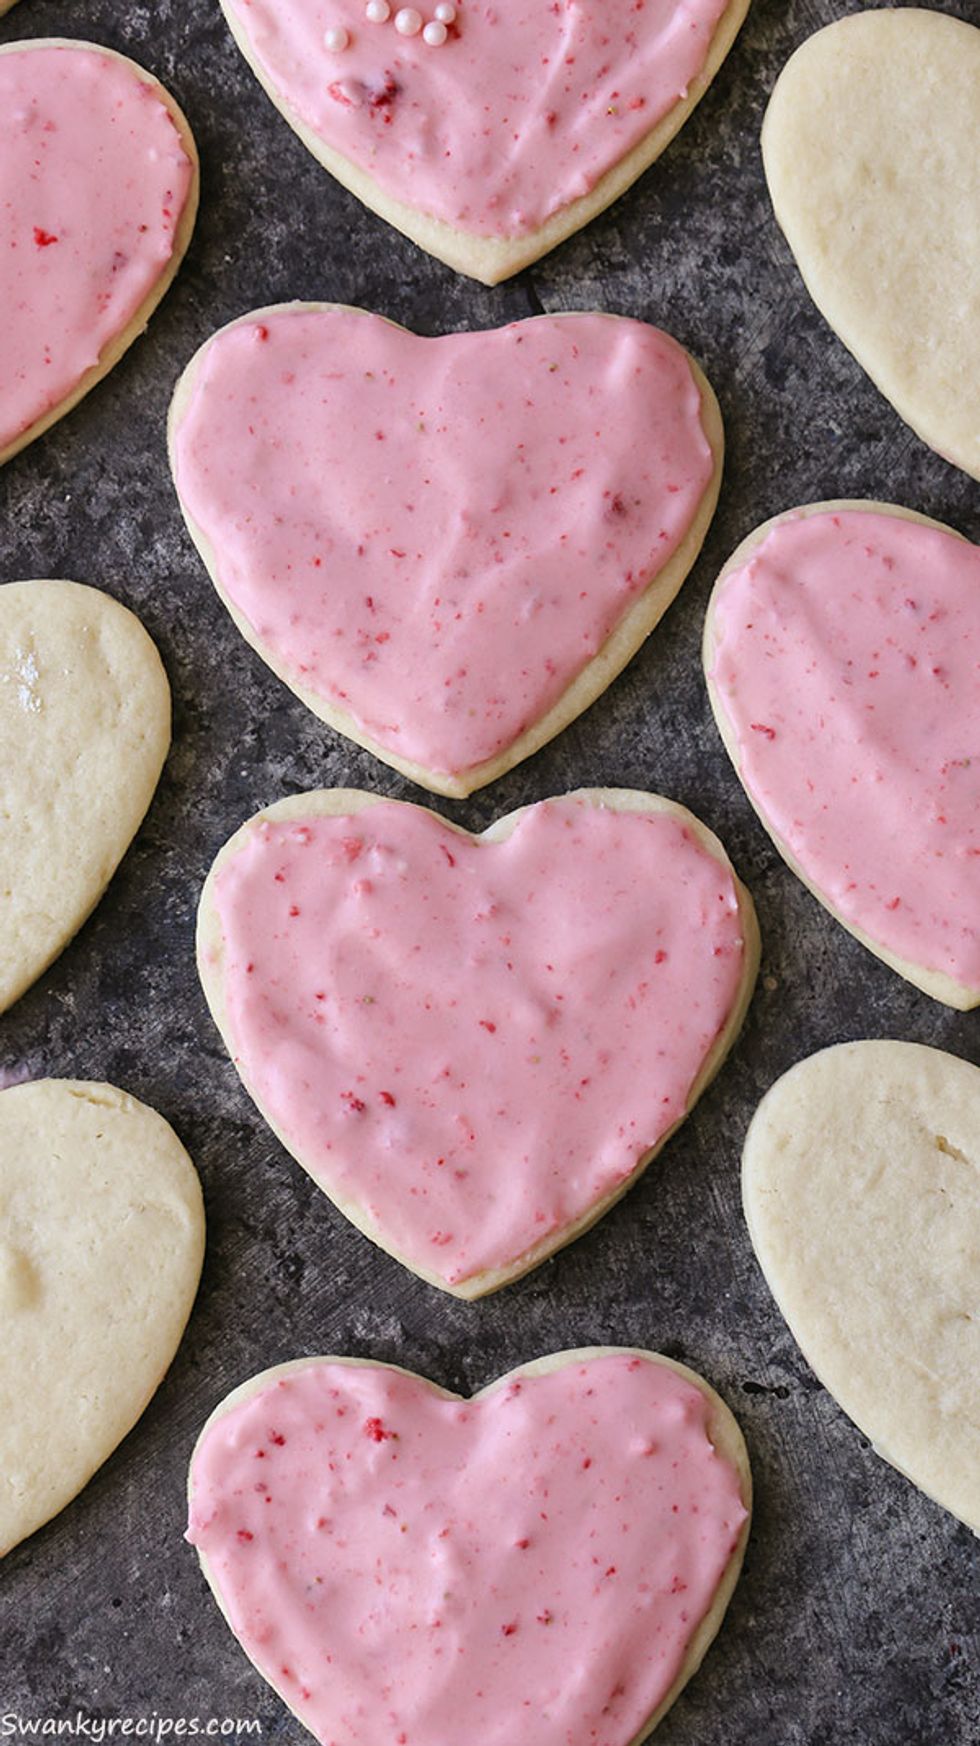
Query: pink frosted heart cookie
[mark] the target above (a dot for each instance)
(98, 194)
(842, 649)
(475, 1044)
(545, 1564)
(446, 547)
(510, 130)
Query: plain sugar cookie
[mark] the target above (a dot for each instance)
(862, 1196)
(516, 126)
(84, 730)
(474, 1045)
(98, 195)
(380, 1548)
(871, 145)
(101, 1243)
(428, 539)
(841, 647)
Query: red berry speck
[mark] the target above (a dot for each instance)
(759, 727)
(375, 1431)
(44, 238)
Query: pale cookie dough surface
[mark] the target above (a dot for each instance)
(447, 547)
(98, 196)
(872, 152)
(861, 1187)
(475, 1045)
(841, 648)
(485, 157)
(84, 730)
(101, 1243)
(402, 1525)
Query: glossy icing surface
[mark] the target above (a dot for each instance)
(93, 181)
(521, 111)
(437, 535)
(472, 1042)
(848, 662)
(523, 1569)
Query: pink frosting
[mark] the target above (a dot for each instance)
(523, 1569)
(848, 663)
(472, 1043)
(436, 536)
(93, 180)
(522, 111)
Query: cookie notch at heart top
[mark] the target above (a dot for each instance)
(456, 194)
(880, 820)
(101, 1245)
(871, 145)
(535, 1021)
(445, 574)
(862, 1198)
(515, 1591)
(96, 258)
(84, 731)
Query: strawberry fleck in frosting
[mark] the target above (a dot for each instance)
(523, 1569)
(93, 182)
(471, 1044)
(524, 108)
(847, 661)
(435, 536)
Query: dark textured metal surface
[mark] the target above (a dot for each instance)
(853, 1619)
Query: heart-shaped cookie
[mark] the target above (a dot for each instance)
(544, 1563)
(499, 140)
(84, 730)
(446, 547)
(98, 194)
(871, 145)
(862, 1197)
(475, 1044)
(842, 646)
(101, 1243)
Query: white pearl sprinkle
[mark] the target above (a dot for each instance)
(445, 13)
(377, 11)
(336, 39)
(408, 22)
(435, 34)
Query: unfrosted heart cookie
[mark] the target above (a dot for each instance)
(446, 547)
(101, 1242)
(475, 1044)
(542, 1564)
(84, 730)
(98, 194)
(863, 1203)
(842, 647)
(871, 145)
(497, 142)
